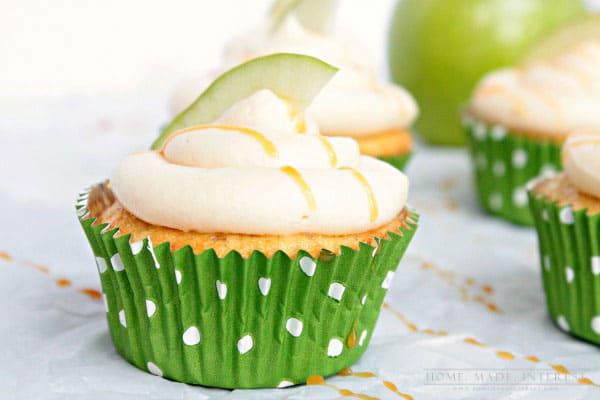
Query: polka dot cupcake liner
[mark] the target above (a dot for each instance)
(569, 243)
(235, 322)
(503, 164)
(398, 161)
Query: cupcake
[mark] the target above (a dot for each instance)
(566, 210)
(247, 250)
(518, 118)
(354, 104)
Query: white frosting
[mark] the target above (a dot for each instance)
(353, 103)
(554, 97)
(581, 161)
(220, 178)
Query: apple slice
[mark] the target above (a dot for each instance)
(293, 77)
(564, 38)
(315, 15)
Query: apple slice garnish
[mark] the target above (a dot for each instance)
(293, 77)
(315, 15)
(565, 38)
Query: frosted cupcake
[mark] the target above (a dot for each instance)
(355, 103)
(566, 208)
(518, 119)
(244, 251)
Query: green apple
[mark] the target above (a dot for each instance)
(293, 77)
(439, 49)
(565, 37)
(315, 15)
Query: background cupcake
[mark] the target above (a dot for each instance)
(566, 209)
(245, 252)
(355, 103)
(518, 118)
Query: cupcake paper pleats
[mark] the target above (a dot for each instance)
(235, 322)
(569, 244)
(503, 163)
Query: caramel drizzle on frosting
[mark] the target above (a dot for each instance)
(297, 177)
(498, 90)
(374, 211)
(267, 145)
(330, 151)
(578, 143)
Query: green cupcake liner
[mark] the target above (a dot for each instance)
(399, 161)
(569, 243)
(504, 162)
(235, 322)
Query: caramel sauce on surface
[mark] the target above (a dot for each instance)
(332, 156)
(5, 256)
(319, 380)
(474, 342)
(92, 293)
(394, 389)
(297, 177)
(532, 359)
(505, 355)
(373, 210)
(560, 369)
(63, 282)
(352, 340)
(267, 145)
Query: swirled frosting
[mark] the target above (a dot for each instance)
(353, 103)
(581, 161)
(553, 98)
(259, 169)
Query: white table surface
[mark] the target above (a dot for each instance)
(55, 343)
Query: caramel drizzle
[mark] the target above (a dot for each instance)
(373, 210)
(267, 145)
(317, 380)
(332, 156)
(297, 177)
(503, 91)
(570, 146)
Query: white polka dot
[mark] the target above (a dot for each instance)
(520, 198)
(191, 336)
(563, 323)
(101, 263)
(363, 336)
(294, 327)
(151, 250)
(150, 308)
(178, 276)
(153, 369)
(596, 265)
(136, 247)
(480, 131)
(117, 263)
(363, 300)
(221, 290)
(519, 158)
(122, 319)
(498, 132)
(308, 266)
(264, 285)
(387, 280)
(547, 263)
(335, 348)
(569, 274)
(499, 168)
(496, 201)
(375, 251)
(105, 301)
(336, 291)
(545, 215)
(245, 344)
(284, 384)
(481, 161)
(596, 324)
(548, 170)
(566, 216)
